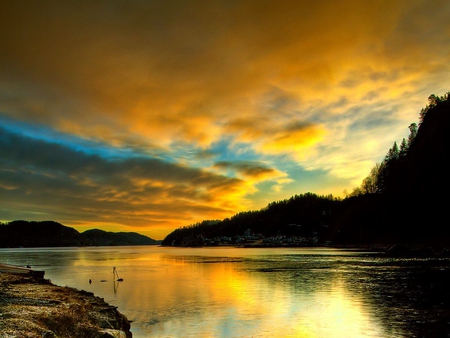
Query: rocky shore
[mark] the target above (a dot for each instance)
(34, 308)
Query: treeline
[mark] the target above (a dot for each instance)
(409, 188)
(52, 234)
(301, 215)
(403, 200)
(406, 165)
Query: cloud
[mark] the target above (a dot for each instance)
(296, 138)
(172, 71)
(249, 169)
(327, 84)
(135, 191)
(255, 174)
(274, 137)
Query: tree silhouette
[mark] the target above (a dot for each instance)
(402, 200)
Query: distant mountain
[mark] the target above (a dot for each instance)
(38, 234)
(104, 238)
(53, 234)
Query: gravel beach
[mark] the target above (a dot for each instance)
(32, 308)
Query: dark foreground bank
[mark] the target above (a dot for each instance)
(37, 308)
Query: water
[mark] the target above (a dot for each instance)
(232, 292)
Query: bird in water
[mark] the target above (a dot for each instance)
(117, 275)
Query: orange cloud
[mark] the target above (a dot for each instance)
(129, 191)
(317, 81)
(248, 169)
(295, 139)
(272, 137)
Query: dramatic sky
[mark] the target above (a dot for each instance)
(149, 115)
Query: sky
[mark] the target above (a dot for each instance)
(150, 115)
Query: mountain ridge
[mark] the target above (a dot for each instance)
(20, 233)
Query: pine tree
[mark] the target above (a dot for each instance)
(403, 149)
(412, 133)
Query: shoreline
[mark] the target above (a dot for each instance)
(32, 307)
(388, 250)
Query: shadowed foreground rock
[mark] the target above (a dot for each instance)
(36, 308)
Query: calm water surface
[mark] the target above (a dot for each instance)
(231, 292)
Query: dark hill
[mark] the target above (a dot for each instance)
(103, 238)
(53, 234)
(38, 234)
(306, 217)
(420, 183)
(403, 200)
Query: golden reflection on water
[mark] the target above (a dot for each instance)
(175, 296)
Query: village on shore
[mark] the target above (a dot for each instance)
(249, 239)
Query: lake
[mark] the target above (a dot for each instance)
(274, 292)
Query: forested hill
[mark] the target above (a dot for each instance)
(53, 234)
(403, 200)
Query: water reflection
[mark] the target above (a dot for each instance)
(257, 292)
(244, 296)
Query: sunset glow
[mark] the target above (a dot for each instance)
(150, 115)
